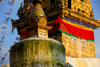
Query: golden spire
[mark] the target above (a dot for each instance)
(37, 9)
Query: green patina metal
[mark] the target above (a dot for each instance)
(28, 50)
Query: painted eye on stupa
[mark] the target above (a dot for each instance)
(73, 39)
(84, 42)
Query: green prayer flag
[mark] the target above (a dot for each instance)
(6, 54)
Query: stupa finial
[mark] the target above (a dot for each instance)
(37, 10)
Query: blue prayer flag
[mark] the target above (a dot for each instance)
(11, 3)
(17, 38)
(4, 27)
(3, 58)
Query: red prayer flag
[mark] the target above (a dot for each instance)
(8, 13)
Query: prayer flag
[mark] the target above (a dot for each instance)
(7, 19)
(17, 38)
(4, 27)
(10, 10)
(1, 41)
(15, 42)
(0, 49)
(2, 38)
(6, 54)
(3, 32)
(11, 3)
(8, 13)
(6, 22)
(3, 58)
(9, 50)
(1, 44)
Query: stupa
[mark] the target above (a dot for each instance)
(38, 50)
(72, 23)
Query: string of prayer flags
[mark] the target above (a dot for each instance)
(4, 57)
(11, 3)
(17, 38)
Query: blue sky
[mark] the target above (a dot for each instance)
(10, 38)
